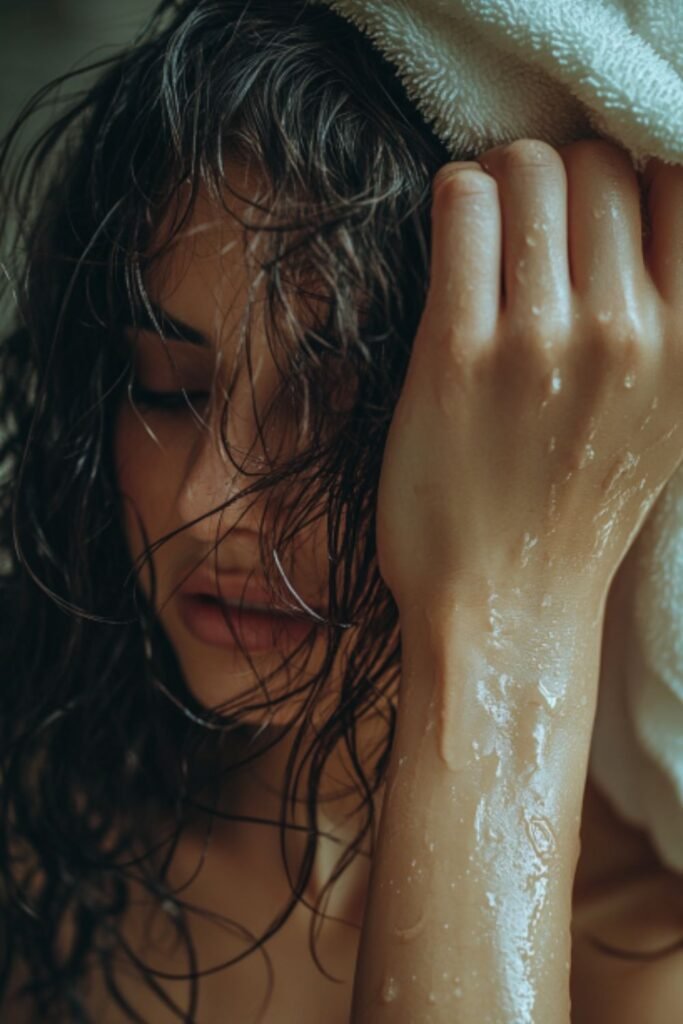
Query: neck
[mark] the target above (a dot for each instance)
(245, 831)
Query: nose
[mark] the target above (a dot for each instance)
(212, 477)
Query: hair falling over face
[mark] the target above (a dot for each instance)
(102, 733)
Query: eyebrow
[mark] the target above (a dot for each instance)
(172, 328)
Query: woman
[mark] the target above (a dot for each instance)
(255, 607)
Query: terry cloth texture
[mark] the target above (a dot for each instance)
(486, 72)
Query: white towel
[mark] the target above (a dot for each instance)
(486, 72)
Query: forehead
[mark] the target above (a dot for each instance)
(213, 263)
(207, 270)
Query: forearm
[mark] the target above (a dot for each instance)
(469, 909)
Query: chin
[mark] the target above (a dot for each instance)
(224, 680)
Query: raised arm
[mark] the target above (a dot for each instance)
(538, 423)
(468, 920)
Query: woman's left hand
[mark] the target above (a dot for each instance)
(543, 284)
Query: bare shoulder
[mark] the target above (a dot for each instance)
(625, 898)
(643, 915)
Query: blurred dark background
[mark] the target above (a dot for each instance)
(40, 39)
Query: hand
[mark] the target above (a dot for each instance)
(541, 413)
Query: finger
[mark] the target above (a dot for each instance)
(465, 274)
(532, 184)
(664, 252)
(605, 225)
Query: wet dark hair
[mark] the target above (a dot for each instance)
(98, 725)
(98, 730)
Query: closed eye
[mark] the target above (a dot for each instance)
(170, 401)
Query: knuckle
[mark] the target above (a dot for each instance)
(663, 172)
(619, 332)
(462, 342)
(543, 335)
(528, 153)
(453, 181)
(592, 151)
(463, 356)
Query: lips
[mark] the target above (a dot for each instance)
(235, 590)
(211, 604)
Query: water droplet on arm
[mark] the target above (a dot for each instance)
(541, 835)
(389, 992)
(520, 272)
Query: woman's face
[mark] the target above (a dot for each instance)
(172, 471)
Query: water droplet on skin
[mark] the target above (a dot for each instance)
(551, 445)
(539, 735)
(541, 835)
(412, 932)
(531, 241)
(556, 381)
(431, 998)
(389, 990)
(535, 311)
(548, 696)
(598, 212)
(630, 380)
(625, 464)
(520, 274)
(491, 899)
(588, 456)
(527, 546)
(605, 316)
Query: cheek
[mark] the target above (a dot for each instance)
(145, 480)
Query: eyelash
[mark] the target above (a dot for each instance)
(169, 401)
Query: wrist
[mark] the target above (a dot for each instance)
(495, 673)
(503, 618)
